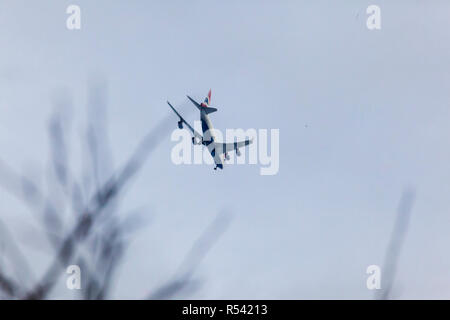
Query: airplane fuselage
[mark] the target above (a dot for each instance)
(209, 139)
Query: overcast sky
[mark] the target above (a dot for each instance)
(362, 115)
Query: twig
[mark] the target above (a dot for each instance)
(396, 244)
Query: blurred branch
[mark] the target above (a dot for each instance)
(21, 267)
(396, 244)
(28, 192)
(105, 195)
(94, 204)
(98, 143)
(190, 263)
(8, 286)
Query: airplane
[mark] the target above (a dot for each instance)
(218, 150)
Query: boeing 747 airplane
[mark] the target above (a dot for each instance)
(218, 150)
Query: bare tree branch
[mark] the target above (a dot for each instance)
(396, 243)
(101, 199)
(190, 263)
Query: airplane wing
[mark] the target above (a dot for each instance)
(195, 133)
(232, 146)
(195, 102)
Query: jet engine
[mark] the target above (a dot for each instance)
(196, 141)
(227, 156)
(180, 124)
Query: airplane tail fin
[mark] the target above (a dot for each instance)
(206, 104)
(208, 98)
